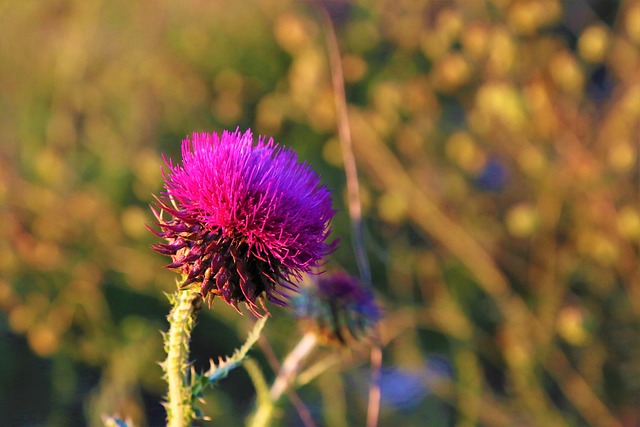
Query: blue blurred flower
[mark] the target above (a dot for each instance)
(403, 388)
(493, 176)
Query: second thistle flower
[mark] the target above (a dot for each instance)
(337, 308)
(245, 218)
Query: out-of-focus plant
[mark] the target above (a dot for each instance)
(334, 310)
(498, 148)
(510, 164)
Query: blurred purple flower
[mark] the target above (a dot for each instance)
(245, 218)
(494, 175)
(336, 304)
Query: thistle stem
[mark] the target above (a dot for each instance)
(181, 321)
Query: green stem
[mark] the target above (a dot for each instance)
(264, 411)
(181, 322)
(286, 376)
(263, 415)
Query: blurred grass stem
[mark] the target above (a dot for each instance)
(301, 408)
(373, 408)
(286, 376)
(353, 191)
(344, 132)
(291, 365)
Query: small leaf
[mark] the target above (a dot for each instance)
(216, 372)
(224, 366)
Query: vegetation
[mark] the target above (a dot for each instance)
(497, 149)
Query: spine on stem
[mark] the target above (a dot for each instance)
(181, 321)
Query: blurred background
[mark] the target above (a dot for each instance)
(497, 146)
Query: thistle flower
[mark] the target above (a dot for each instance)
(245, 219)
(337, 307)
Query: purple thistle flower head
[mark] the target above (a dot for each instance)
(337, 307)
(245, 218)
